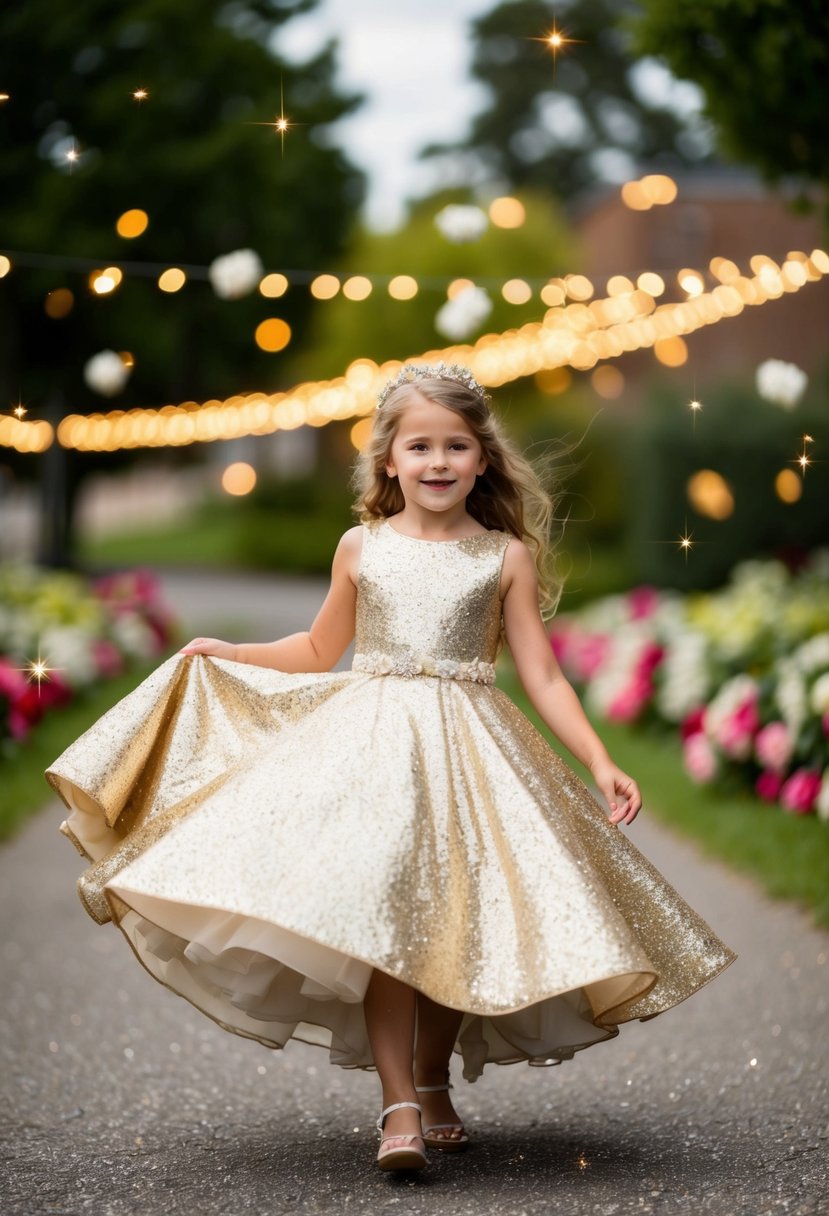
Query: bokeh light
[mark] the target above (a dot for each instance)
(325, 287)
(239, 478)
(360, 433)
(403, 287)
(273, 286)
(608, 381)
(710, 494)
(273, 334)
(507, 212)
(172, 280)
(132, 223)
(788, 486)
(59, 303)
(358, 287)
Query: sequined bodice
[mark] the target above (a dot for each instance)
(428, 607)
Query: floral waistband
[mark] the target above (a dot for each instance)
(378, 664)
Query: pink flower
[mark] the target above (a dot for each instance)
(735, 733)
(12, 681)
(768, 786)
(693, 723)
(627, 705)
(774, 746)
(108, 659)
(643, 602)
(800, 792)
(699, 758)
(588, 653)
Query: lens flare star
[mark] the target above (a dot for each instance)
(280, 124)
(20, 410)
(38, 670)
(556, 40)
(140, 95)
(804, 460)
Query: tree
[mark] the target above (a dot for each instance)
(763, 67)
(565, 122)
(196, 155)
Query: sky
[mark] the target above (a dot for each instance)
(411, 60)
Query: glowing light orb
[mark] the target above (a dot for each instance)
(272, 334)
(239, 478)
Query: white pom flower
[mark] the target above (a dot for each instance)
(461, 316)
(69, 650)
(106, 373)
(782, 383)
(820, 694)
(686, 677)
(235, 274)
(460, 223)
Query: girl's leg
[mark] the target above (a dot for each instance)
(389, 1007)
(437, 1030)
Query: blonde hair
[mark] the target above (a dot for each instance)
(508, 496)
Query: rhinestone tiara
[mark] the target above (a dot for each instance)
(410, 372)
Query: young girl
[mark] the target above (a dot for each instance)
(389, 862)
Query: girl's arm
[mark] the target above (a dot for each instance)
(552, 696)
(317, 649)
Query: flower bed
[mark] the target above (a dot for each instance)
(741, 673)
(84, 632)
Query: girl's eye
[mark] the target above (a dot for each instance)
(460, 446)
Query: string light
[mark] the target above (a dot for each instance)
(575, 334)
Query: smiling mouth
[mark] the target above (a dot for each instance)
(437, 483)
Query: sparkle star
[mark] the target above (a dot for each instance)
(280, 124)
(557, 41)
(804, 460)
(20, 410)
(140, 94)
(695, 407)
(38, 670)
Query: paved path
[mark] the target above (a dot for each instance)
(118, 1099)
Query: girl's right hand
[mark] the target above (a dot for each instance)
(214, 647)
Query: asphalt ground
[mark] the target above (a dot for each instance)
(119, 1099)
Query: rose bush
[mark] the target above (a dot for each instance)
(742, 672)
(84, 631)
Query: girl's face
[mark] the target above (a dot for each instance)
(434, 455)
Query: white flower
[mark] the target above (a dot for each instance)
(814, 653)
(134, 636)
(106, 373)
(461, 316)
(461, 222)
(820, 694)
(235, 274)
(68, 649)
(782, 383)
(734, 693)
(686, 678)
(790, 695)
(822, 804)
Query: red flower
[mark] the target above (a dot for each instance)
(799, 793)
(768, 785)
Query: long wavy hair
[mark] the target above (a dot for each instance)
(508, 496)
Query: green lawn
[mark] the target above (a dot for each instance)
(787, 854)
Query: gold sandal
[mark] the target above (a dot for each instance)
(405, 1156)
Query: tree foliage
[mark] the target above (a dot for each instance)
(565, 122)
(763, 66)
(197, 156)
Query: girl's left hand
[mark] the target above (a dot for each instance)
(620, 792)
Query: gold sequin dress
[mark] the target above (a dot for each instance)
(264, 840)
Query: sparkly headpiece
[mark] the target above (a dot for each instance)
(433, 371)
